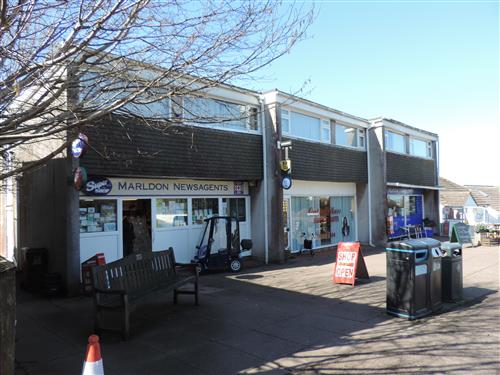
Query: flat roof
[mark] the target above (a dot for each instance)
(315, 104)
(396, 122)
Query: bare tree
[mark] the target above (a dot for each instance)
(65, 64)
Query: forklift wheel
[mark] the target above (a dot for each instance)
(235, 265)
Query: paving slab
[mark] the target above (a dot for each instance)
(278, 319)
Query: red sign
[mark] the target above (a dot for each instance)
(349, 264)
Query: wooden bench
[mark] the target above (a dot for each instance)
(121, 285)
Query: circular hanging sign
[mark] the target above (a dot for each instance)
(286, 182)
(79, 145)
(80, 178)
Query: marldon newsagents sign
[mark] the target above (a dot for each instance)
(113, 186)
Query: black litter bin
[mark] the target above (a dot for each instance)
(35, 268)
(452, 272)
(413, 277)
(435, 282)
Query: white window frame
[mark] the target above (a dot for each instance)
(405, 139)
(358, 136)
(285, 116)
(247, 106)
(428, 148)
(361, 136)
(324, 123)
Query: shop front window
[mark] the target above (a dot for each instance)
(98, 216)
(396, 205)
(171, 213)
(204, 208)
(322, 220)
(325, 234)
(405, 210)
(235, 207)
(305, 220)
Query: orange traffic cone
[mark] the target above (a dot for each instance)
(93, 361)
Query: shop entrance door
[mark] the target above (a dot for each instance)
(237, 207)
(136, 226)
(343, 220)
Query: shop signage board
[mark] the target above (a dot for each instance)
(350, 264)
(404, 191)
(461, 233)
(114, 186)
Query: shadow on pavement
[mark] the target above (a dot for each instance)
(276, 320)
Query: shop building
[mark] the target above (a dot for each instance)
(403, 168)
(151, 185)
(328, 200)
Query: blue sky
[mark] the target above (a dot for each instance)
(433, 65)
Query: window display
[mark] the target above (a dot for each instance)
(324, 220)
(395, 204)
(404, 211)
(171, 213)
(97, 216)
(203, 208)
(235, 207)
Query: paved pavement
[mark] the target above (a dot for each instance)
(283, 319)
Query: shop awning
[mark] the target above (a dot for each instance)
(398, 184)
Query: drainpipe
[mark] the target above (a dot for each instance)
(264, 170)
(370, 237)
(437, 184)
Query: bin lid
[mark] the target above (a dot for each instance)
(431, 242)
(450, 245)
(414, 244)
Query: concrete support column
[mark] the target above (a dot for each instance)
(276, 243)
(72, 240)
(378, 188)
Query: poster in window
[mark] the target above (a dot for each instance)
(238, 187)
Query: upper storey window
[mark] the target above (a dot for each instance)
(349, 136)
(406, 144)
(419, 147)
(155, 103)
(395, 142)
(299, 125)
(219, 113)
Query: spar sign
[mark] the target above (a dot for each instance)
(350, 264)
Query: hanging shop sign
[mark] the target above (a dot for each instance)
(350, 264)
(79, 145)
(79, 178)
(115, 186)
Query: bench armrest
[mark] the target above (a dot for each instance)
(194, 267)
(110, 291)
(186, 265)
